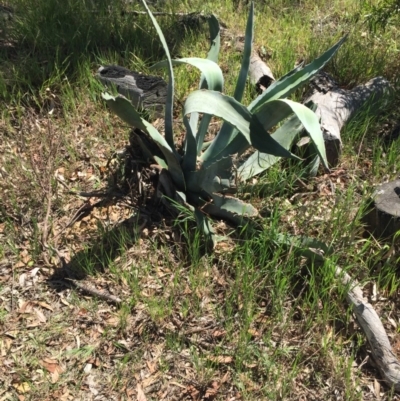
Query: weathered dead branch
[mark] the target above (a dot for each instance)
(386, 361)
(144, 91)
(336, 106)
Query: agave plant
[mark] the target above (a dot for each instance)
(205, 175)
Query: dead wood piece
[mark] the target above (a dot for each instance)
(260, 74)
(336, 106)
(144, 91)
(383, 218)
(102, 294)
(385, 359)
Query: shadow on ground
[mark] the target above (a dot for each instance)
(49, 40)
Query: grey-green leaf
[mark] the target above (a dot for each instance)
(270, 113)
(248, 47)
(230, 110)
(229, 208)
(304, 246)
(259, 162)
(215, 43)
(215, 38)
(290, 82)
(123, 108)
(227, 130)
(169, 104)
(210, 70)
(217, 177)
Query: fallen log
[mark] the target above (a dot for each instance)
(260, 74)
(382, 353)
(336, 106)
(144, 91)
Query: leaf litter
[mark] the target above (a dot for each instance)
(165, 339)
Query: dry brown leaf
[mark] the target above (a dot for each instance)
(51, 365)
(26, 307)
(219, 333)
(18, 265)
(45, 306)
(113, 321)
(194, 393)
(55, 376)
(152, 366)
(5, 346)
(377, 389)
(177, 384)
(226, 377)
(65, 395)
(220, 359)
(65, 302)
(41, 317)
(22, 387)
(254, 332)
(140, 393)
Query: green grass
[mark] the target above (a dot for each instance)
(249, 321)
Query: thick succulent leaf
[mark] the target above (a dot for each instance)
(169, 104)
(237, 145)
(234, 205)
(229, 208)
(202, 132)
(217, 177)
(189, 159)
(248, 47)
(304, 246)
(225, 107)
(312, 168)
(290, 82)
(161, 162)
(210, 70)
(123, 108)
(299, 67)
(213, 53)
(274, 111)
(215, 150)
(215, 38)
(230, 110)
(259, 162)
(227, 130)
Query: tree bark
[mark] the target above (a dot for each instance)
(260, 74)
(144, 91)
(336, 106)
(383, 218)
(384, 357)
